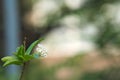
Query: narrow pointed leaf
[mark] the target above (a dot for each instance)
(20, 50)
(17, 62)
(29, 50)
(10, 60)
(7, 58)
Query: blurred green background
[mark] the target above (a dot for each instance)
(82, 38)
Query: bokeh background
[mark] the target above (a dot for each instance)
(81, 36)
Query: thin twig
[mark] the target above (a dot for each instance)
(23, 70)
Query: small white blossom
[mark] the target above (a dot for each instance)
(41, 50)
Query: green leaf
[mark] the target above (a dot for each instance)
(20, 57)
(20, 50)
(32, 46)
(28, 57)
(7, 58)
(17, 62)
(10, 60)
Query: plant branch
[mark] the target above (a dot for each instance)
(23, 70)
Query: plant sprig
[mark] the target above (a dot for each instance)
(21, 55)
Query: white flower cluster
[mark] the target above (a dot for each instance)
(41, 50)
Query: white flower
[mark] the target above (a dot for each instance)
(41, 50)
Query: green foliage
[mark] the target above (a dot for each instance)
(11, 60)
(21, 56)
